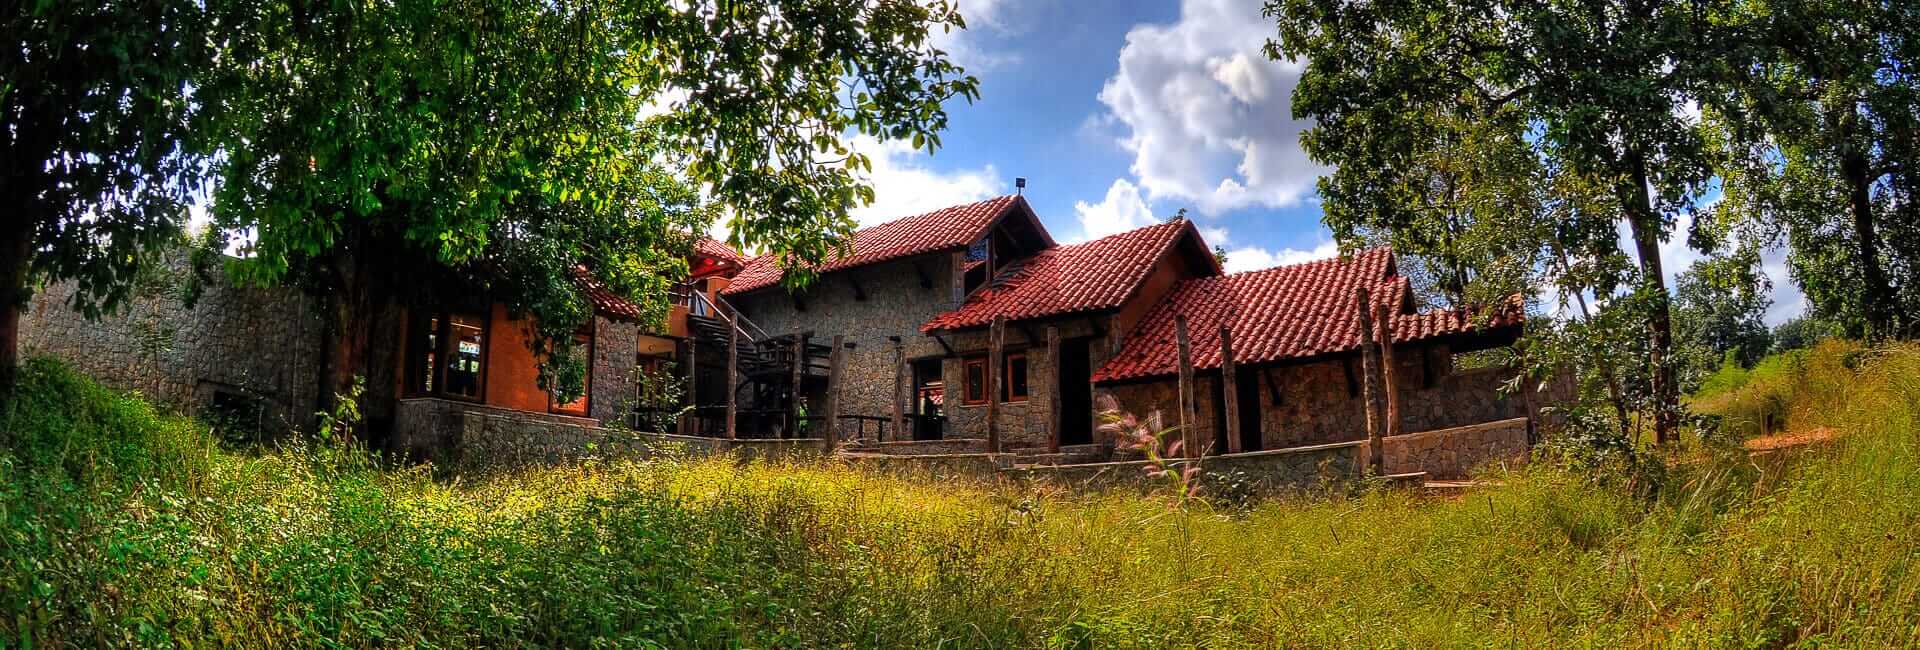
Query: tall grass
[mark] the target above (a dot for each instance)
(122, 526)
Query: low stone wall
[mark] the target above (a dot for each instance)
(471, 437)
(1455, 453)
(936, 466)
(919, 447)
(1279, 470)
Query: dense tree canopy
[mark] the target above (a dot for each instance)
(498, 143)
(1593, 91)
(94, 100)
(1719, 307)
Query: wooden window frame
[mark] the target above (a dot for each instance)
(967, 387)
(1006, 379)
(444, 335)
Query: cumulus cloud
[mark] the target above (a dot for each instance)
(1254, 258)
(963, 46)
(1122, 210)
(905, 185)
(1205, 114)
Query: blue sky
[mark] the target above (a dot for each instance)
(1118, 114)
(1121, 113)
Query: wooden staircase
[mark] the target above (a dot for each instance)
(764, 387)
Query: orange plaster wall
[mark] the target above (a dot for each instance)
(512, 373)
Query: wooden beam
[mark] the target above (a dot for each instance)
(899, 388)
(1229, 390)
(692, 421)
(996, 339)
(942, 340)
(1186, 386)
(793, 390)
(733, 380)
(1053, 389)
(1369, 378)
(1388, 370)
(830, 434)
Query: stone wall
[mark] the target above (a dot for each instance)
(611, 380)
(895, 304)
(1455, 453)
(1022, 424)
(1279, 470)
(466, 437)
(237, 346)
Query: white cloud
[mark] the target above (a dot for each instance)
(963, 46)
(1206, 115)
(1254, 258)
(1122, 210)
(905, 185)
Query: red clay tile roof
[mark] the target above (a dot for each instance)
(605, 302)
(1286, 312)
(718, 250)
(1089, 276)
(942, 229)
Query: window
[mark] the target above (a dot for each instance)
(1013, 379)
(446, 355)
(1011, 384)
(976, 381)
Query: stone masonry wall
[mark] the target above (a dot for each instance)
(1022, 424)
(262, 343)
(615, 353)
(896, 304)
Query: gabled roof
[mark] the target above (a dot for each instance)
(1089, 276)
(605, 301)
(944, 229)
(717, 250)
(1286, 312)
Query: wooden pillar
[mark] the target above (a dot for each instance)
(1369, 382)
(1053, 389)
(733, 380)
(899, 389)
(1229, 390)
(1388, 371)
(996, 337)
(799, 377)
(1186, 388)
(693, 387)
(830, 434)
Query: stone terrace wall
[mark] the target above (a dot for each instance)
(465, 437)
(1279, 470)
(1455, 453)
(260, 343)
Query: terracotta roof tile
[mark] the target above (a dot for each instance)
(605, 302)
(1088, 276)
(1286, 312)
(942, 229)
(717, 250)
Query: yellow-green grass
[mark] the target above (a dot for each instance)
(126, 527)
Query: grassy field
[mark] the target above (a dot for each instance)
(120, 526)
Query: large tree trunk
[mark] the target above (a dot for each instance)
(1876, 295)
(1645, 224)
(16, 244)
(350, 330)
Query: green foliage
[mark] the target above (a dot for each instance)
(122, 527)
(1803, 332)
(1718, 307)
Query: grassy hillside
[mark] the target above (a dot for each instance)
(121, 526)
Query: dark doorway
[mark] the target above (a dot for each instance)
(1076, 393)
(929, 399)
(1247, 388)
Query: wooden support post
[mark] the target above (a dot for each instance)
(1230, 390)
(1370, 382)
(799, 377)
(1186, 388)
(899, 389)
(1388, 371)
(733, 380)
(830, 434)
(693, 387)
(1053, 389)
(996, 337)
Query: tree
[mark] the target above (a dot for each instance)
(1816, 123)
(499, 143)
(1593, 89)
(1719, 307)
(93, 109)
